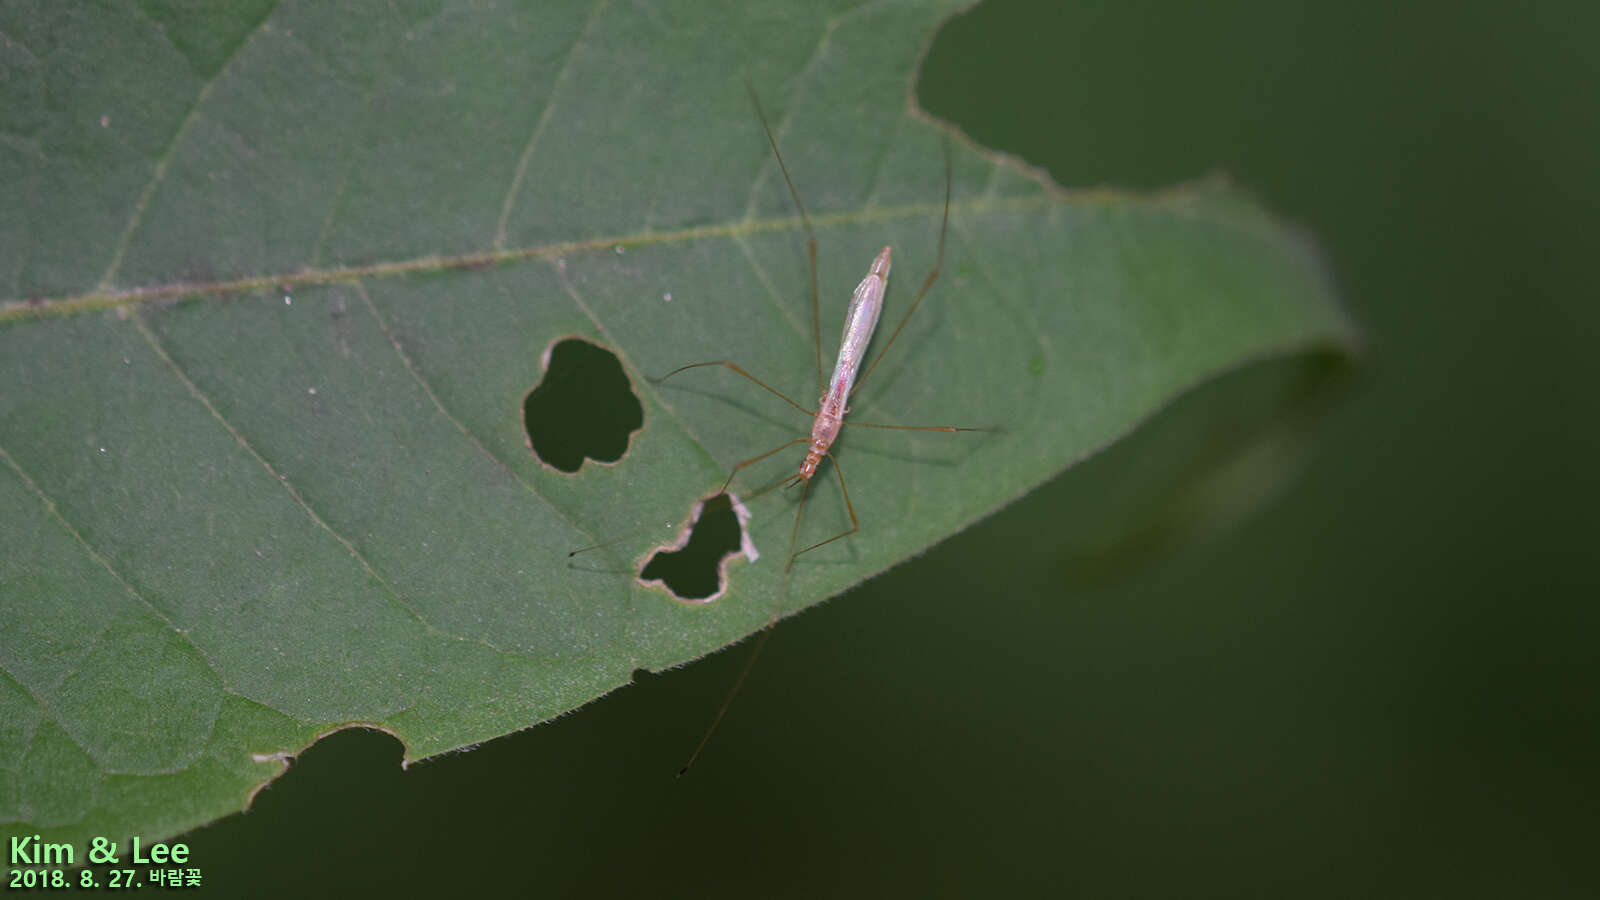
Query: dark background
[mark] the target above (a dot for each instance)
(1380, 682)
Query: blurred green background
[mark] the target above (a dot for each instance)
(1380, 682)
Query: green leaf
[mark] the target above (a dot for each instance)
(279, 282)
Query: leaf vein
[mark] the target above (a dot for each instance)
(799, 329)
(55, 513)
(788, 114)
(94, 555)
(878, 166)
(544, 119)
(283, 481)
(48, 711)
(1170, 200)
(165, 162)
(12, 39)
(1022, 312)
(438, 405)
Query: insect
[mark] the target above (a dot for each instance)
(828, 419)
(861, 321)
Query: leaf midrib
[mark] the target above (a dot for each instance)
(95, 300)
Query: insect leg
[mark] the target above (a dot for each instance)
(755, 459)
(811, 237)
(916, 427)
(855, 524)
(729, 365)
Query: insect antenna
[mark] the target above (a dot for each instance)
(811, 237)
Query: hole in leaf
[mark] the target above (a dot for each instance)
(693, 571)
(582, 408)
